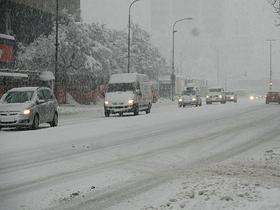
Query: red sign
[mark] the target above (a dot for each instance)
(6, 53)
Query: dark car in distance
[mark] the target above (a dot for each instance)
(272, 97)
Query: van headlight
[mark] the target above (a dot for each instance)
(180, 99)
(193, 99)
(207, 96)
(231, 97)
(106, 103)
(26, 111)
(252, 97)
(220, 96)
(130, 102)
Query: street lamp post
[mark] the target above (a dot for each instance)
(128, 39)
(173, 53)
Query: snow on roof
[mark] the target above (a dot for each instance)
(24, 89)
(6, 36)
(123, 78)
(10, 74)
(46, 76)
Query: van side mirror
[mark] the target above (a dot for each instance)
(138, 92)
(40, 101)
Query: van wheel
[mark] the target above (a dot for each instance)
(136, 110)
(35, 124)
(107, 113)
(54, 122)
(148, 110)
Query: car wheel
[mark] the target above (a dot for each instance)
(121, 114)
(36, 122)
(267, 102)
(107, 113)
(54, 122)
(136, 110)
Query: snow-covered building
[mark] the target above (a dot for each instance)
(35, 15)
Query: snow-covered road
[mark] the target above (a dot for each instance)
(140, 162)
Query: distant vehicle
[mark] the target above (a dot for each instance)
(254, 97)
(128, 92)
(231, 97)
(272, 97)
(28, 107)
(190, 97)
(216, 95)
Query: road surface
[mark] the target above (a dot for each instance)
(93, 162)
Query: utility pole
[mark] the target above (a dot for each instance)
(56, 82)
(270, 62)
(218, 67)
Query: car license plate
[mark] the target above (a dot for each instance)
(8, 119)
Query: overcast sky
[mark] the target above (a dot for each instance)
(232, 33)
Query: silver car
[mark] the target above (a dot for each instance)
(190, 97)
(28, 107)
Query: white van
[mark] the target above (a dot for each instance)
(128, 92)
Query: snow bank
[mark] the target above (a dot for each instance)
(245, 184)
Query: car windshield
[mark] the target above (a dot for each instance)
(121, 87)
(18, 97)
(215, 90)
(273, 93)
(229, 93)
(188, 93)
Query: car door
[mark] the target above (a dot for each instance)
(50, 107)
(41, 105)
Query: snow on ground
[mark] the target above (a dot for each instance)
(232, 185)
(209, 157)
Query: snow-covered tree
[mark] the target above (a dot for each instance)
(89, 53)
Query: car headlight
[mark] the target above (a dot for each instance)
(106, 102)
(231, 97)
(252, 97)
(193, 99)
(27, 112)
(220, 96)
(207, 96)
(180, 99)
(130, 102)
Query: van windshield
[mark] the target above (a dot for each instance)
(18, 97)
(215, 90)
(121, 87)
(188, 92)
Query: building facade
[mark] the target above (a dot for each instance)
(28, 19)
